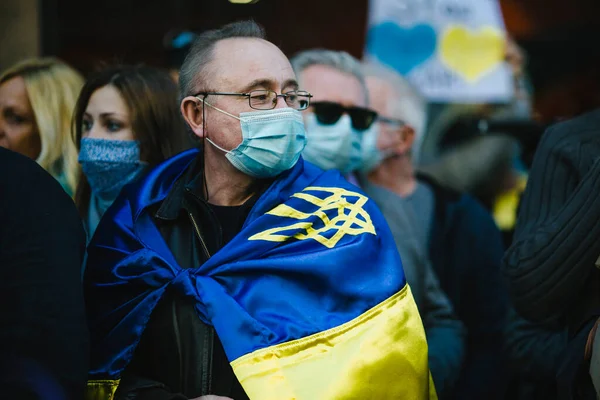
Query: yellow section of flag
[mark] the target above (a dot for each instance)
(347, 217)
(382, 354)
(101, 389)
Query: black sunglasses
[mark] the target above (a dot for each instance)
(328, 113)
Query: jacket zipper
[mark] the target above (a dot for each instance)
(199, 235)
(182, 378)
(208, 339)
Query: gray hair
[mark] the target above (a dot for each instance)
(192, 75)
(408, 104)
(339, 60)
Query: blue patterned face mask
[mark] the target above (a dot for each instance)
(109, 165)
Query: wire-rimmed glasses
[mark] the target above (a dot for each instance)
(267, 99)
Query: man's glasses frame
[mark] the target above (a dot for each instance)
(392, 122)
(267, 99)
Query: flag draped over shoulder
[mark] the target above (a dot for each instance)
(309, 300)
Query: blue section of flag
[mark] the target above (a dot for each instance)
(313, 254)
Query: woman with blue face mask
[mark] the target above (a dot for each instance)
(126, 121)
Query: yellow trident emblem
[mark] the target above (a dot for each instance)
(350, 219)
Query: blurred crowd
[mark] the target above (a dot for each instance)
(496, 217)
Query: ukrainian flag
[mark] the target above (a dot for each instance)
(309, 300)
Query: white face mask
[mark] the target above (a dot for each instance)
(272, 141)
(371, 155)
(336, 146)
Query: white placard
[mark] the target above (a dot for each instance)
(452, 50)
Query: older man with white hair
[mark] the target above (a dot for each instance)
(336, 123)
(339, 112)
(459, 235)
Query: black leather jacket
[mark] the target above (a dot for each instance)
(180, 357)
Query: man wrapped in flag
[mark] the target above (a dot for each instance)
(242, 271)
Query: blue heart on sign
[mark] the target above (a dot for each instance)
(401, 48)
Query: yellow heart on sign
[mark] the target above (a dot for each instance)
(470, 54)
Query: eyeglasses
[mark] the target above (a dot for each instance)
(392, 122)
(328, 113)
(267, 99)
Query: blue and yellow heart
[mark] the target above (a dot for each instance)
(401, 48)
(470, 54)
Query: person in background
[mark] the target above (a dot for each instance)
(490, 162)
(484, 149)
(44, 341)
(227, 267)
(176, 44)
(551, 263)
(339, 113)
(126, 121)
(337, 121)
(462, 241)
(37, 98)
(467, 157)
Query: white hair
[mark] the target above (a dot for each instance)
(407, 103)
(339, 60)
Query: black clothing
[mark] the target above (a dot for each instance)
(179, 356)
(557, 239)
(465, 249)
(44, 342)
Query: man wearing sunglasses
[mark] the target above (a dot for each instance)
(459, 235)
(338, 114)
(227, 267)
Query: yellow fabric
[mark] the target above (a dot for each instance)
(381, 354)
(507, 204)
(356, 222)
(101, 389)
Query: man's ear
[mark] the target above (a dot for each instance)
(191, 109)
(407, 134)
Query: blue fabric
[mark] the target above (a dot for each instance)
(255, 293)
(96, 209)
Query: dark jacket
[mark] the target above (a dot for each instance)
(44, 342)
(179, 356)
(535, 353)
(465, 248)
(551, 262)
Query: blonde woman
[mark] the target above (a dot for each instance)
(37, 98)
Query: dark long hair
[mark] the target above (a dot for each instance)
(152, 99)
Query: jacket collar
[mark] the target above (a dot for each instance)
(190, 183)
(154, 187)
